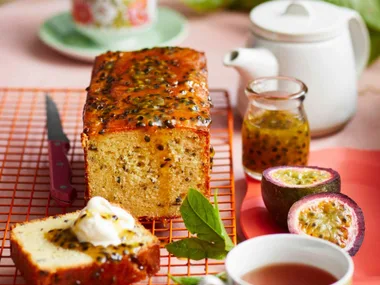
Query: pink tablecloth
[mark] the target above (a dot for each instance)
(26, 62)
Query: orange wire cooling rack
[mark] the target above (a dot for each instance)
(24, 174)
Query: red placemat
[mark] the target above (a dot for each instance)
(360, 174)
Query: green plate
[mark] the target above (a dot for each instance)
(59, 33)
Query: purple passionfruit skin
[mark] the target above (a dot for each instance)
(278, 196)
(357, 227)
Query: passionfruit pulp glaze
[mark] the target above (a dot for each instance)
(103, 231)
(65, 238)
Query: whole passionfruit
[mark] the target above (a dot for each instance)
(282, 186)
(331, 216)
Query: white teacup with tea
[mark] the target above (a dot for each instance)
(284, 259)
(113, 22)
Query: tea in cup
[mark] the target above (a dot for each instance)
(287, 259)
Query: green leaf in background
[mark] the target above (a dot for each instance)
(200, 217)
(246, 4)
(368, 9)
(207, 5)
(196, 249)
(375, 45)
(212, 5)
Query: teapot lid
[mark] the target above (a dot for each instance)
(297, 21)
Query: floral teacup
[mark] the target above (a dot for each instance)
(110, 21)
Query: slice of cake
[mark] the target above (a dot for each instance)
(102, 244)
(146, 135)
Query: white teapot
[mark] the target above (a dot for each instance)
(324, 45)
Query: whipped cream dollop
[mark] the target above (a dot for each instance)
(101, 223)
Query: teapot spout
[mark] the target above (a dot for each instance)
(252, 62)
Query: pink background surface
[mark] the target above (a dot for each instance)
(26, 62)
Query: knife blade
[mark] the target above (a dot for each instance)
(61, 189)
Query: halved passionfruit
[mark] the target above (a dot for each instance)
(282, 186)
(331, 216)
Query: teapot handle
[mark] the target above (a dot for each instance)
(360, 41)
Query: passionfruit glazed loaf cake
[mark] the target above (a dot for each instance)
(100, 245)
(146, 134)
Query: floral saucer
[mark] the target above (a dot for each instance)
(59, 33)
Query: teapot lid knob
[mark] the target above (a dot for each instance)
(298, 9)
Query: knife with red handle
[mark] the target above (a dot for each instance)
(61, 189)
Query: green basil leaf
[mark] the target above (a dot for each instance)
(222, 276)
(196, 249)
(186, 280)
(200, 217)
(227, 240)
(194, 280)
(368, 9)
